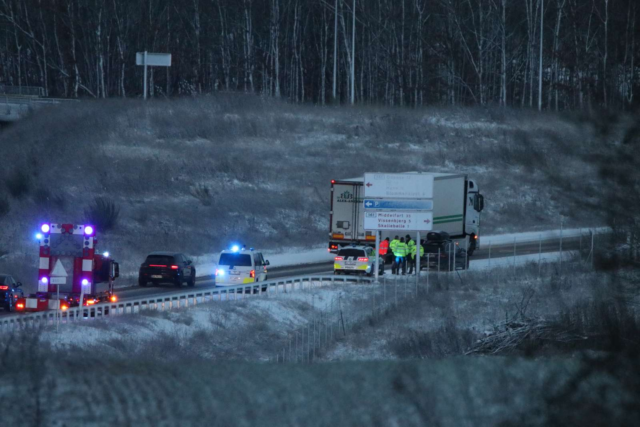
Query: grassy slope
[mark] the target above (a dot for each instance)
(189, 366)
(266, 165)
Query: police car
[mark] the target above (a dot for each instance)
(356, 260)
(240, 266)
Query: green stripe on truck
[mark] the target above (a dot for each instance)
(438, 218)
(447, 220)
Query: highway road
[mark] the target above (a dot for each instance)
(497, 251)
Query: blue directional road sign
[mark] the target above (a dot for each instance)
(398, 205)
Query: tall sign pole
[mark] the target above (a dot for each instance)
(145, 76)
(146, 59)
(418, 248)
(377, 255)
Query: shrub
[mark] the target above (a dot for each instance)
(18, 183)
(102, 213)
(202, 193)
(44, 199)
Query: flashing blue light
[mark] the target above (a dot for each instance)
(85, 282)
(39, 236)
(235, 248)
(251, 249)
(106, 254)
(219, 272)
(45, 228)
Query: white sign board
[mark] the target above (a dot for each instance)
(398, 185)
(154, 59)
(58, 275)
(402, 221)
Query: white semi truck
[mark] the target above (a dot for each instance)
(457, 204)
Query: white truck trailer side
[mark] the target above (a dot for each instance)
(457, 204)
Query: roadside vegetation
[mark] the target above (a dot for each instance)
(499, 347)
(193, 174)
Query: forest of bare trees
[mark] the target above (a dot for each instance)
(394, 52)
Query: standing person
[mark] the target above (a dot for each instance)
(410, 245)
(410, 242)
(401, 256)
(384, 248)
(412, 257)
(392, 246)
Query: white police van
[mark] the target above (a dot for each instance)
(240, 266)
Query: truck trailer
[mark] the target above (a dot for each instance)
(457, 204)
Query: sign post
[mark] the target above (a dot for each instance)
(151, 59)
(401, 202)
(418, 249)
(377, 255)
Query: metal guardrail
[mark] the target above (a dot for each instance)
(187, 298)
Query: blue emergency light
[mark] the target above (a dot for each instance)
(235, 248)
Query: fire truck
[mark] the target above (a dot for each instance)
(70, 272)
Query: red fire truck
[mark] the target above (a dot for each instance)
(70, 271)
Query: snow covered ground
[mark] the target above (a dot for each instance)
(534, 236)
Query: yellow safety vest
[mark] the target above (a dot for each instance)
(414, 251)
(401, 249)
(393, 245)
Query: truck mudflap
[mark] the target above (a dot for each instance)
(32, 304)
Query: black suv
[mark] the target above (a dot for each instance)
(167, 267)
(9, 291)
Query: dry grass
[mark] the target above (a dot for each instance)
(187, 378)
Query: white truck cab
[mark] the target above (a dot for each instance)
(240, 266)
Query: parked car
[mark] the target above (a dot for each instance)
(441, 253)
(356, 260)
(167, 267)
(9, 291)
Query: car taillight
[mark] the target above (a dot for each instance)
(339, 258)
(4, 288)
(363, 259)
(156, 265)
(174, 267)
(252, 274)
